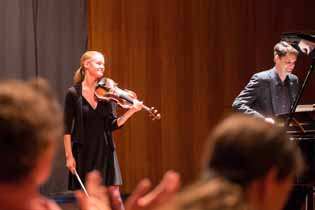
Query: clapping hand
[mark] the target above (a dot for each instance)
(142, 199)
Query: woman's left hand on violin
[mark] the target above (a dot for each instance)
(137, 105)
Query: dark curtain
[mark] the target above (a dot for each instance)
(45, 39)
(17, 44)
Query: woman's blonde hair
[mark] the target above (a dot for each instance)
(80, 72)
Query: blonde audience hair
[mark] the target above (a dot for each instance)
(213, 194)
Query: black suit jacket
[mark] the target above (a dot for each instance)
(258, 96)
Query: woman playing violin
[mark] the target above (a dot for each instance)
(89, 124)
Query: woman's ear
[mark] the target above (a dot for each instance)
(86, 64)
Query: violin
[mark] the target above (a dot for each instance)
(107, 90)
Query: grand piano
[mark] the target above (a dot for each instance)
(300, 121)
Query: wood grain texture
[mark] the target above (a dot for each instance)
(189, 59)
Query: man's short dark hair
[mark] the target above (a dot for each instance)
(30, 118)
(283, 48)
(243, 148)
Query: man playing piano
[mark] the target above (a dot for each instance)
(270, 93)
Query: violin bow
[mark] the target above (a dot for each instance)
(79, 180)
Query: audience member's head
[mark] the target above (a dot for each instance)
(30, 125)
(256, 155)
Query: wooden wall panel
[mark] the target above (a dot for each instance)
(188, 58)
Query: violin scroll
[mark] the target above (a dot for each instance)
(154, 114)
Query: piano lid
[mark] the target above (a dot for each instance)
(303, 42)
